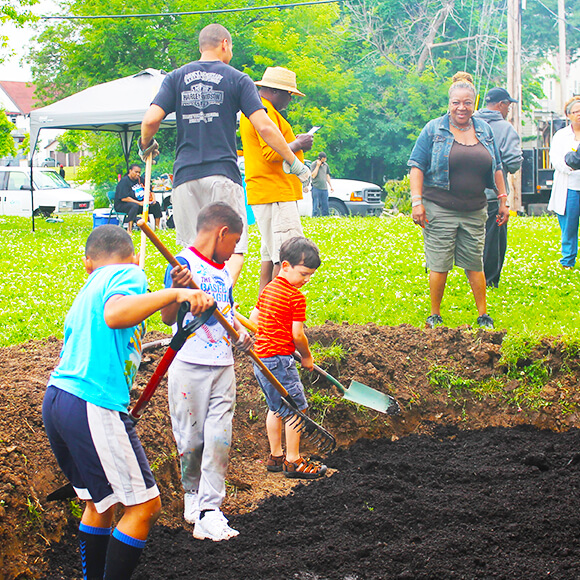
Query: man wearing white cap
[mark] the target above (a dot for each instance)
(206, 96)
(272, 193)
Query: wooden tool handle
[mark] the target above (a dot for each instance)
(148, 168)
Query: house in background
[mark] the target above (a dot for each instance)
(17, 100)
(60, 158)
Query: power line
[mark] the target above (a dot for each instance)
(194, 12)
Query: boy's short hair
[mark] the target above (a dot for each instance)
(300, 251)
(218, 215)
(107, 241)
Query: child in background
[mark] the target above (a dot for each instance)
(202, 384)
(279, 315)
(85, 405)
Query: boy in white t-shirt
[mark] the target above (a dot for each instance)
(202, 384)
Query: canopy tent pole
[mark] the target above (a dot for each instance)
(126, 137)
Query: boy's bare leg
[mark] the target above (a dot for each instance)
(91, 517)
(292, 444)
(274, 430)
(138, 520)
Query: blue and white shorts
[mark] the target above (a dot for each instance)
(283, 367)
(98, 450)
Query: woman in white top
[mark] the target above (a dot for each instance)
(565, 199)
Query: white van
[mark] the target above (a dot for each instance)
(52, 194)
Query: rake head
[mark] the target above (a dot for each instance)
(306, 426)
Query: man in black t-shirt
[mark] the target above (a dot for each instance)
(206, 96)
(129, 197)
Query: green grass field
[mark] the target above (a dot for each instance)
(372, 271)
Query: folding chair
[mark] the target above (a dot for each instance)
(121, 217)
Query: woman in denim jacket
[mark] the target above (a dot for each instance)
(454, 159)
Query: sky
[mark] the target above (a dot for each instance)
(18, 39)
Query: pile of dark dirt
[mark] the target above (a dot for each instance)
(436, 505)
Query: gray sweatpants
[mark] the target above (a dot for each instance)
(201, 403)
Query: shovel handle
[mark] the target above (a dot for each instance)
(251, 326)
(234, 334)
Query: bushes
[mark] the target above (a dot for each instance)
(398, 195)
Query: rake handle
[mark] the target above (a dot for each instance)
(219, 316)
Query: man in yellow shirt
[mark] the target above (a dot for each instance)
(271, 192)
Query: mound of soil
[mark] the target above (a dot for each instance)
(440, 503)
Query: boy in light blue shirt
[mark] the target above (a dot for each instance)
(85, 405)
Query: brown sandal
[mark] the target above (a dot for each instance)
(303, 469)
(275, 463)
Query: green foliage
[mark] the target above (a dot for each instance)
(398, 195)
(33, 510)
(6, 140)
(103, 165)
(17, 13)
(319, 404)
(395, 107)
(70, 141)
(24, 147)
(332, 354)
(76, 509)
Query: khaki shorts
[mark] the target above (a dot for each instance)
(454, 237)
(190, 197)
(277, 223)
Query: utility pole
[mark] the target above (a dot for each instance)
(514, 87)
(562, 52)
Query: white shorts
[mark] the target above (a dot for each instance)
(190, 197)
(98, 451)
(277, 223)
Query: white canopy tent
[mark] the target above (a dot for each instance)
(117, 106)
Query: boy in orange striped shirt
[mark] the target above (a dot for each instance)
(280, 315)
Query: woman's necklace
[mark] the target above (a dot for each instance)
(469, 125)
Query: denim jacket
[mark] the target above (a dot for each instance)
(433, 146)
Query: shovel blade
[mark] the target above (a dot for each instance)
(364, 395)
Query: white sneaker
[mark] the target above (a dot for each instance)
(213, 526)
(190, 507)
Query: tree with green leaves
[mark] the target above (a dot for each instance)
(6, 140)
(17, 13)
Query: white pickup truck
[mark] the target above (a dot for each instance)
(349, 198)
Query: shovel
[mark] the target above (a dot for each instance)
(357, 392)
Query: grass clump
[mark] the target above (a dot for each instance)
(328, 355)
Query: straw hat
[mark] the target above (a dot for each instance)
(277, 77)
